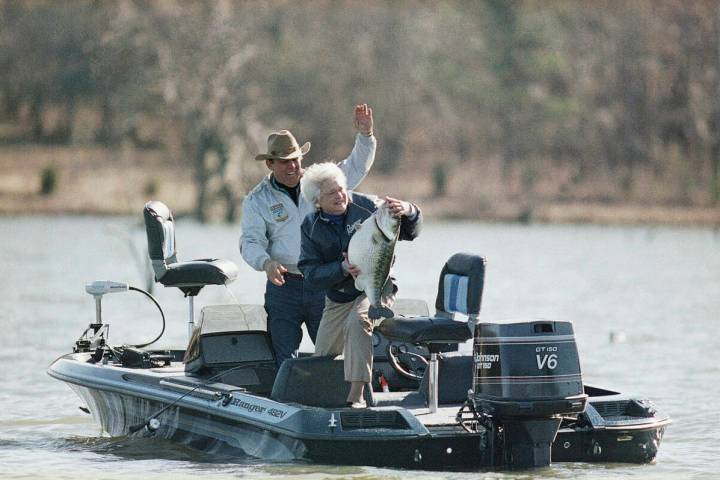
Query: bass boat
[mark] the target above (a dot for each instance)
(516, 401)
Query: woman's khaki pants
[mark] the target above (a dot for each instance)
(346, 326)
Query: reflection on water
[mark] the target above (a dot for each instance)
(138, 448)
(644, 300)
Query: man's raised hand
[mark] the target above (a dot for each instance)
(363, 119)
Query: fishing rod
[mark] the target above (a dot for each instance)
(152, 423)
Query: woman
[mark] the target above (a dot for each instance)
(325, 235)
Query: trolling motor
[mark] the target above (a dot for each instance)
(94, 338)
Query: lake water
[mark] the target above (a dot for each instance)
(655, 288)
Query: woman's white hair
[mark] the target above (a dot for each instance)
(318, 174)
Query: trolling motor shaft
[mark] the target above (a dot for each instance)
(99, 288)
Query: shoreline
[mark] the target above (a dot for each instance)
(586, 213)
(434, 210)
(98, 181)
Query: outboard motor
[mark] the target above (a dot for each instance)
(526, 375)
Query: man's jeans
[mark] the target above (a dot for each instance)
(288, 307)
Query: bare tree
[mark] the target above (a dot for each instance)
(197, 75)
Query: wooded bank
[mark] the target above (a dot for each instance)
(524, 107)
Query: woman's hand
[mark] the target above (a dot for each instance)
(398, 208)
(348, 267)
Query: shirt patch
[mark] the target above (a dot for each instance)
(278, 212)
(352, 228)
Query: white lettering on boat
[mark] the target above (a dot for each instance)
(255, 408)
(550, 360)
(485, 361)
(250, 407)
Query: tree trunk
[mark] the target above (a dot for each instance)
(105, 132)
(715, 178)
(202, 178)
(36, 121)
(210, 142)
(231, 211)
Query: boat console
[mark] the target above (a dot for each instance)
(231, 344)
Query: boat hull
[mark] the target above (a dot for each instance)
(450, 449)
(612, 428)
(617, 446)
(121, 400)
(219, 418)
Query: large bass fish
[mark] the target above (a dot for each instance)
(371, 249)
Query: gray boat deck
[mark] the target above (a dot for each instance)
(415, 403)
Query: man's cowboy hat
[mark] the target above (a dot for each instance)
(282, 145)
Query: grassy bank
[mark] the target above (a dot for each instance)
(94, 180)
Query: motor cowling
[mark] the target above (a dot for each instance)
(526, 374)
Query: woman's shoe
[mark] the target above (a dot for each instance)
(360, 404)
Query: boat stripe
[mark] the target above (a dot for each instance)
(447, 292)
(526, 377)
(527, 339)
(456, 290)
(168, 240)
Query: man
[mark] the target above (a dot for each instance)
(270, 239)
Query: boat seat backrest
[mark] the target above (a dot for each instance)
(314, 382)
(459, 291)
(461, 285)
(190, 276)
(160, 229)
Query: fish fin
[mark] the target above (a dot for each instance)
(380, 312)
(383, 232)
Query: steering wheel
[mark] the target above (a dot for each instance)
(408, 364)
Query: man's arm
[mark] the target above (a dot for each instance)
(253, 239)
(358, 164)
(254, 244)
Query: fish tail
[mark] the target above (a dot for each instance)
(379, 312)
